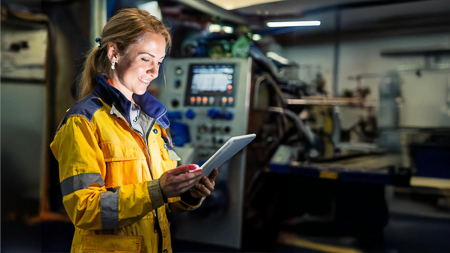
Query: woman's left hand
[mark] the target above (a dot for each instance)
(205, 186)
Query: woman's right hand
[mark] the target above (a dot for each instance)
(176, 181)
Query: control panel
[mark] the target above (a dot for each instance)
(210, 97)
(208, 103)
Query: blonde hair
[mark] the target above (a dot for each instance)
(124, 29)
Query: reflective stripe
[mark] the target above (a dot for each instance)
(79, 182)
(109, 208)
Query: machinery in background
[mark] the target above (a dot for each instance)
(301, 130)
(208, 102)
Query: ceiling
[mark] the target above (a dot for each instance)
(342, 16)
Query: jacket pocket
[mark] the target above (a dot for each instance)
(114, 152)
(111, 243)
(125, 164)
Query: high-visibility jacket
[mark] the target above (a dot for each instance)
(110, 174)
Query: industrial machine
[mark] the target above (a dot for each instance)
(208, 102)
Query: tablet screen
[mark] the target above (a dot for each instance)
(228, 150)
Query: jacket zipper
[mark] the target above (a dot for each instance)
(119, 115)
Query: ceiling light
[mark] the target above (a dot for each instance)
(292, 23)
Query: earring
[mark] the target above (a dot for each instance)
(113, 65)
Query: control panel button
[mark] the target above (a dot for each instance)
(190, 114)
(175, 103)
(179, 71)
(177, 84)
(202, 128)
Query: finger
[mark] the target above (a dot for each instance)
(188, 184)
(207, 182)
(179, 170)
(205, 191)
(196, 175)
(197, 193)
(213, 175)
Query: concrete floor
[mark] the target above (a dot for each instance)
(414, 226)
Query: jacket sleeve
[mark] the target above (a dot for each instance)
(89, 204)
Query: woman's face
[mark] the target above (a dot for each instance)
(140, 65)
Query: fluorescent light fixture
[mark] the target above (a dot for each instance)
(214, 28)
(256, 37)
(277, 57)
(292, 23)
(228, 29)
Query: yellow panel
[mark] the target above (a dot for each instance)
(293, 240)
(329, 175)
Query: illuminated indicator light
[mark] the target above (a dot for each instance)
(214, 28)
(199, 100)
(224, 100)
(229, 86)
(205, 100)
(192, 100)
(228, 29)
(230, 100)
(211, 100)
(256, 37)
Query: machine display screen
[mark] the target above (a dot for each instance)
(211, 85)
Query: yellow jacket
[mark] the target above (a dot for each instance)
(109, 173)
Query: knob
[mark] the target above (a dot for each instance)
(229, 115)
(202, 128)
(227, 129)
(190, 114)
(213, 113)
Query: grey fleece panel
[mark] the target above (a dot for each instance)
(79, 182)
(109, 209)
(155, 193)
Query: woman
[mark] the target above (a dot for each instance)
(116, 162)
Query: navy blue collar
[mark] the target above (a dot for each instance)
(150, 105)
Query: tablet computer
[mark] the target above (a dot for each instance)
(224, 153)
